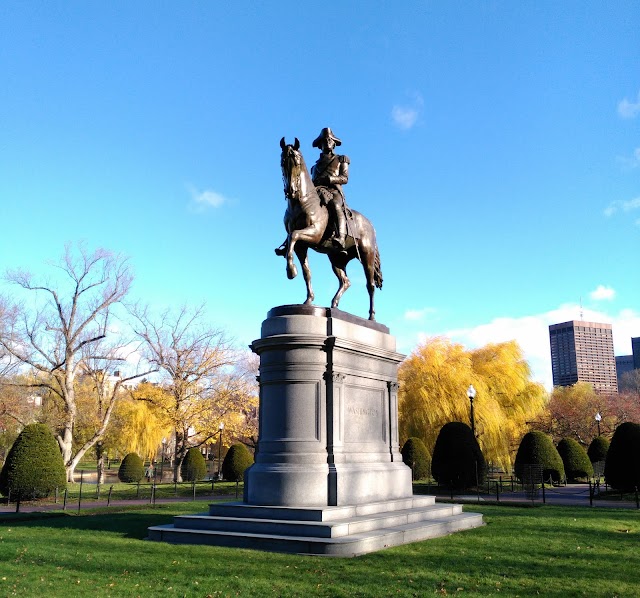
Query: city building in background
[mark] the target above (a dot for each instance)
(583, 352)
(624, 364)
(635, 348)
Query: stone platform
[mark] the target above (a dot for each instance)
(333, 531)
(328, 477)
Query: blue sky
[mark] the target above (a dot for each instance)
(494, 145)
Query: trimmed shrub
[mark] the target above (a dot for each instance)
(536, 448)
(236, 461)
(457, 457)
(598, 448)
(622, 467)
(131, 469)
(575, 460)
(416, 456)
(193, 467)
(34, 467)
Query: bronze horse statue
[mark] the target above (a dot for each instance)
(307, 222)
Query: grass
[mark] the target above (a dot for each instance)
(548, 551)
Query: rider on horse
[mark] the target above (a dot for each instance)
(329, 173)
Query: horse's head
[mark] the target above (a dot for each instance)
(293, 166)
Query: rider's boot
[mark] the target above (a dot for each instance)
(340, 240)
(282, 250)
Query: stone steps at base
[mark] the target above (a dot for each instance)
(239, 509)
(320, 529)
(353, 544)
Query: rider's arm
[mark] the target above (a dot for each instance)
(342, 178)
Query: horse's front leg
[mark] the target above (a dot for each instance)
(301, 252)
(310, 235)
(292, 271)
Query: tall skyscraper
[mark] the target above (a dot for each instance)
(583, 352)
(635, 348)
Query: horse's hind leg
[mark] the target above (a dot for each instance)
(339, 266)
(301, 252)
(368, 265)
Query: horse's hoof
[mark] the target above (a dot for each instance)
(292, 272)
(309, 301)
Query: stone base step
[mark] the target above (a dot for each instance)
(332, 531)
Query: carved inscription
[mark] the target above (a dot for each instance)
(364, 414)
(362, 411)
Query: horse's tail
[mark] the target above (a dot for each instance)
(377, 269)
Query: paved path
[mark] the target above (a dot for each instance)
(570, 495)
(72, 505)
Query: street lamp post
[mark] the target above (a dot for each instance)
(598, 419)
(471, 393)
(220, 430)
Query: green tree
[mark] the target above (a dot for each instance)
(417, 457)
(131, 469)
(34, 466)
(622, 467)
(575, 460)
(537, 448)
(193, 467)
(236, 461)
(457, 460)
(598, 449)
(433, 391)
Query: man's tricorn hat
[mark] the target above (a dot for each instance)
(326, 133)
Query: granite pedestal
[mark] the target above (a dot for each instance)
(328, 476)
(328, 411)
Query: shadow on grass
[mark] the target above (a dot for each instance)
(129, 522)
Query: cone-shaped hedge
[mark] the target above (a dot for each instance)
(457, 457)
(131, 469)
(622, 468)
(193, 467)
(416, 456)
(34, 467)
(575, 460)
(598, 448)
(536, 448)
(235, 463)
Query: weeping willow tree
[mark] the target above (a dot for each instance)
(139, 426)
(433, 391)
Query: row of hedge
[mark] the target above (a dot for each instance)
(34, 467)
(457, 460)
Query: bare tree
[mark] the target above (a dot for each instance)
(192, 358)
(65, 323)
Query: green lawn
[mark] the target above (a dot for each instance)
(548, 551)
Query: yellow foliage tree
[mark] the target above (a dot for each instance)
(433, 391)
(139, 425)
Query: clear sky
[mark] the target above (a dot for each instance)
(494, 145)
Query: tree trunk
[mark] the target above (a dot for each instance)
(100, 462)
(177, 463)
(66, 447)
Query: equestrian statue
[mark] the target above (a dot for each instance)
(317, 217)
